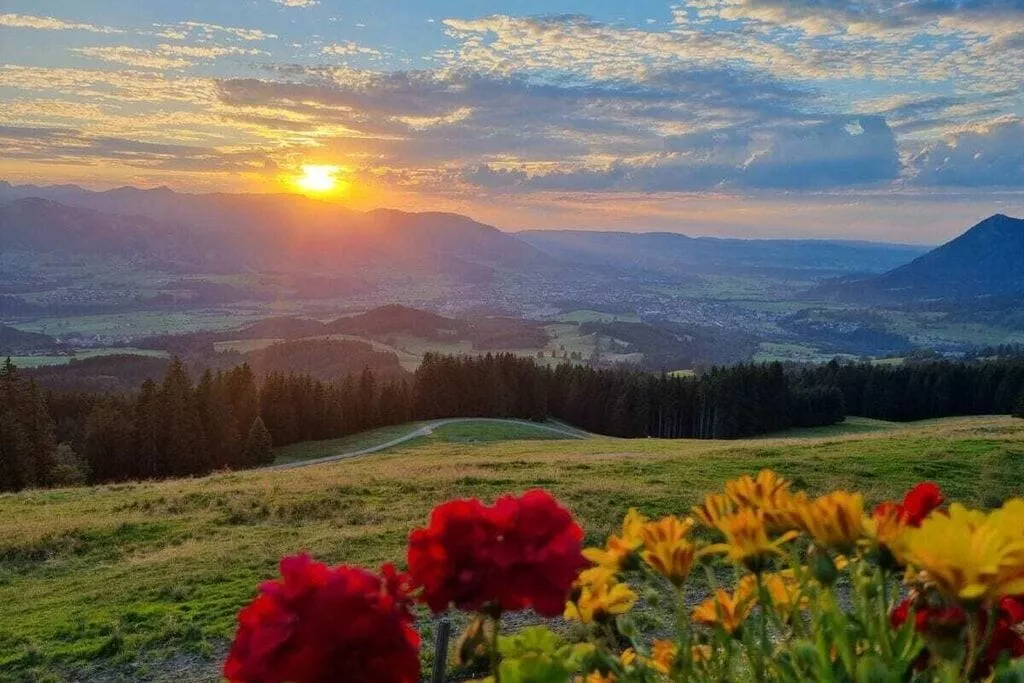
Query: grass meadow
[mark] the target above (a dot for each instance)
(141, 581)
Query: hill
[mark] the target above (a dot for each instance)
(280, 232)
(48, 227)
(985, 261)
(14, 342)
(141, 581)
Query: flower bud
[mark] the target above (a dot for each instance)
(823, 569)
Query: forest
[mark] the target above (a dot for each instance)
(231, 419)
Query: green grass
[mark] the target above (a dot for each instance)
(462, 432)
(851, 425)
(309, 450)
(489, 432)
(110, 576)
(81, 354)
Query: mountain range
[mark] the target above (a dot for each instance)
(295, 232)
(230, 233)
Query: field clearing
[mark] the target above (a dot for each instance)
(82, 354)
(114, 575)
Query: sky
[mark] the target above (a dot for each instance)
(855, 119)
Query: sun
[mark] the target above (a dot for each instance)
(320, 179)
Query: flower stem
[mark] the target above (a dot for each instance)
(495, 654)
(763, 616)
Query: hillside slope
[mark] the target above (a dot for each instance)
(142, 581)
(987, 260)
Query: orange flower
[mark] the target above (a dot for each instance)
(835, 520)
(663, 655)
(618, 549)
(668, 551)
(746, 539)
(715, 507)
(725, 610)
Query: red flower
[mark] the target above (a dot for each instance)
(944, 623)
(317, 624)
(519, 553)
(919, 502)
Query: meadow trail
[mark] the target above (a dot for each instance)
(427, 430)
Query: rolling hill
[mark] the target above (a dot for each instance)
(985, 261)
(282, 233)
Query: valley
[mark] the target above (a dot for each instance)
(165, 268)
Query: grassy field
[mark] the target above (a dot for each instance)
(466, 432)
(142, 581)
(82, 354)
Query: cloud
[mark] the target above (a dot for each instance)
(788, 44)
(68, 145)
(990, 156)
(679, 131)
(118, 87)
(297, 3)
(162, 57)
(828, 155)
(876, 13)
(349, 48)
(205, 31)
(51, 24)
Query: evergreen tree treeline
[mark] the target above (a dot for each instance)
(228, 419)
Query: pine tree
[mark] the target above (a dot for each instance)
(27, 441)
(259, 448)
(181, 430)
(1018, 408)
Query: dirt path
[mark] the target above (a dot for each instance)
(426, 430)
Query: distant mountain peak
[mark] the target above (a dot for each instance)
(983, 261)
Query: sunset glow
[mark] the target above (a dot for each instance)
(320, 179)
(895, 121)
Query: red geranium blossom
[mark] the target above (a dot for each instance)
(949, 622)
(919, 502)
(318, 624)
(519, 553)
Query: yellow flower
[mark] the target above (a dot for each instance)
(969, 555)
(727, 611)
(770, 493)
(599, 601)
(598, 677)
(783, 512)
(886, 528)
(700, 654)
(619, 548)
(757, 493)
(746, 539)
(835, 520)
(595, 575)
(783, 590)
(668, 529)
(1010, 518)
(715, 507)
(667, 550)
(663, 654)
